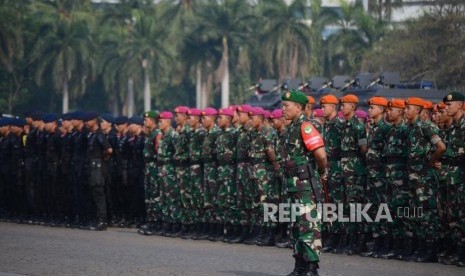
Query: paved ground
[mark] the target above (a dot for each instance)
(38, 250)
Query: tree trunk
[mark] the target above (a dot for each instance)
(225, 76)
(130, 98)
(65, 96)
(147, 91)
(198, 87)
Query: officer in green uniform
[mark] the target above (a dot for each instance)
(303, 143)
(151, 182)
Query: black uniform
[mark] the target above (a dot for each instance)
(16, 182)
(5, 185)
(54, 185)
(80, 188)
(122, 158)
(136, 176)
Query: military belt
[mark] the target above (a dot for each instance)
(226, 162)
(181, 163)
(452, 162)
(396, 160)
(351, 153)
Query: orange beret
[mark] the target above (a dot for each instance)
(428, 105)
(378, 101)
(311, 100)
(415, 101)
(398, 103)
(440, 106)
(329, 99)
(349, 98)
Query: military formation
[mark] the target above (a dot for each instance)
(206, 174)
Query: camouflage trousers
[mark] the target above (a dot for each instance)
(170, 195)
(210, 195)
(227, 195)
(261, 182)
(336, 193)
(305, 231)
(152, 193)
(426, 225)
(197, 191)
(376, 195)
(185, 193)
(456, 203)
(244, 193)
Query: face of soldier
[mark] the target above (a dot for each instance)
(442, 116)
(4, 130)
(393, 114)
(224, 121)
(105, 126)
(277, 123)
(291, 110)
(67, 125)
(453, 107)
(347, 109)
(411, 111)
(50, 127)
(121, 128)
(375, 111)
(208, 121)
(91, 124)
(193, 121)
(164, 124)
(243, 118)
(256, 121)
(425, 115)
(180, 118)
(149, 123)
(328, 110)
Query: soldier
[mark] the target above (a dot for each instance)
(303, 142)
(165, 163)
(151, 182)
(227, 190)
(66, 165)
(332, 137)
(353, 150)
(242, 173)
(54, 186)
(181, 161)
(455, 179)
(426, 112)
(196, 173)
(376, 182)
(31, 169)
(122, 159)
(136, 169)
(422, 177)
(16, 182)
(210, 172)
(108, 166)
(4, 167)
(277, 121)
(98, 149)
(397, 195)
(309, 113)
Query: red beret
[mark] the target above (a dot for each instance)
(349, 98)
(209, 111)
(226, 111)
(194, 112)
(166, 115)
(181, 109)
(276, 114)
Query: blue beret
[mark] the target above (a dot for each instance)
(136, 120)
(4, 122)
(67, 116)
(89, 116)
(18, 122)
(50, 117)
(78, 115)
(121, 120)
(37, 116)
(108, 117)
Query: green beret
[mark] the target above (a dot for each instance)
(295, 96)
(454, 96)
(151, 114)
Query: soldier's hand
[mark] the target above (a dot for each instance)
(276, 166)
(436, 164)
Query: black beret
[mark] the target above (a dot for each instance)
(454, 96)
(17, 122)
(50, 117)
(37, 116)
(121, 120)
(89, 116)
(107, 117)
(67, 116)
(5, 121)
(136, 120)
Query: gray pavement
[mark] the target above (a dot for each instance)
(38, 250)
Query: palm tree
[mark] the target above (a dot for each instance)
(64, 45)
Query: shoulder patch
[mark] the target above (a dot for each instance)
(308, 129)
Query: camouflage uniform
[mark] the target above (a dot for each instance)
(261, 179)
(376, 171)
(423, 179)
(210, 172)
(227, 191)
(242, 174)
(395, 151)
(169, 189)
(196, 175)
(181, 161)
(353, 136)
(305, 233)
(151, 183)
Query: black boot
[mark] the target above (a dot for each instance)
(185, 231)
(166, 231)
(207, 229)
(218, 232)
(244, 235)
(176, 231)
(342, 245)
(357, 244)
(269, 238)
(373, 247)
(201, 229)
(330, 242)
(461, 260)
(397, 247)
(233, 234)
(253, 236)
(147, 229)
(418, 252)
(428, 255)
(261, 235)
(100, 226)
(285, 243)
(386, 246)
(228, 229)
(311, 268)
(453, 256)
(410, 245)
(299, 267)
